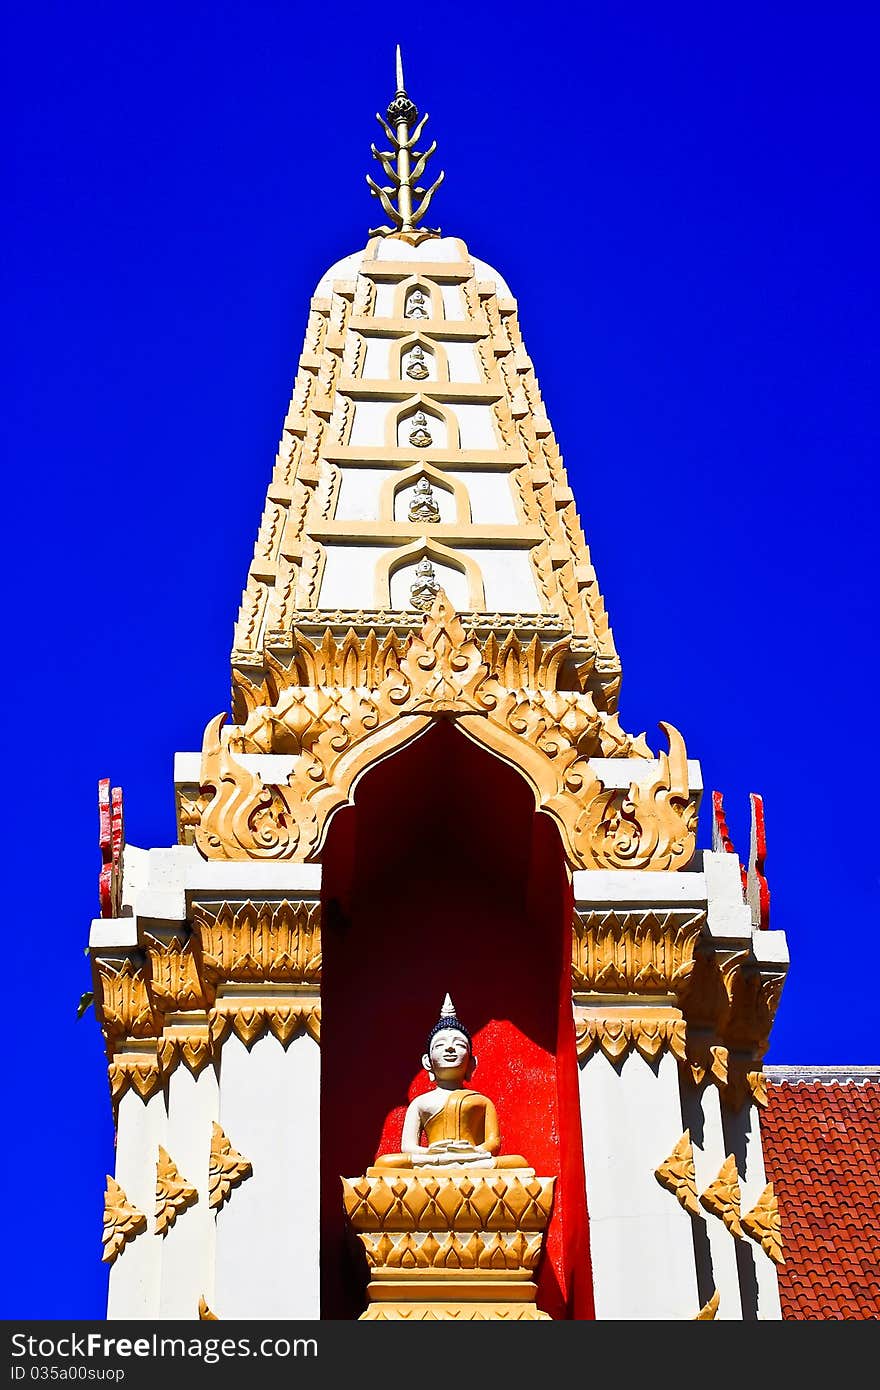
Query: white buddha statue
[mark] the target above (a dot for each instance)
(460, 1126)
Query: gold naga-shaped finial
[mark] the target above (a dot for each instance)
(403, 164)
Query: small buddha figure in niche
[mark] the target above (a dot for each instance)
(416, 367)
(425, 589)
(459, 1125)
(415, 305)
(420, 435)
(423, 504)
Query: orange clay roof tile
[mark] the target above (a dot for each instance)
(822, 1154)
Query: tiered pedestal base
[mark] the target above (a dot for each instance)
(456, 1242)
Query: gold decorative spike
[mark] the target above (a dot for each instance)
(173, 1193)
(722, 1197)
(403, 165)
(226, 1170)
(678, 1175)
(205, 1314)
(708, 1310)
(764, 1224)
(122, 1221)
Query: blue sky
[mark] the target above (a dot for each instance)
(683, 200)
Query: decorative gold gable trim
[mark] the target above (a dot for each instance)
(764, 1224)
(335, 734)
(678, 1174)
(122, 1221)
(173, 1193)
(226, 1170)
(722, 1197)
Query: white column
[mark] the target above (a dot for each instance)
(641, 1241)
(188, 1245)
(268, 1247)
(710, 1152)
(744, 1132)
(135, 1273)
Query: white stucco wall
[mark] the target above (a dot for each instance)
(491, 497)
(641, 1241)
(268, 1251)
(349, 576)
(188, 1246)
(476, 426)
(710, 1152)
(359, 493)
(463, 362)
(135, 1275)
(507, 579)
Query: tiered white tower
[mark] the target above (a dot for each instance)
(421, 568)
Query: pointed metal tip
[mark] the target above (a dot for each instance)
(400, 86)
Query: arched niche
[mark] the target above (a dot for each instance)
(396, 487)
(442, 877)
(407, 356)
(393, 570)
(418, 300)
(440, 425)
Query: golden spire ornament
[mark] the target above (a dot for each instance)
(404, 165)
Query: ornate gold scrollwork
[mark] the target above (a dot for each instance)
(336, 733)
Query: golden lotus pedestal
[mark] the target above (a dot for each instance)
(458, 1243)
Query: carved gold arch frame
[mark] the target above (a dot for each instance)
(391, 561)
(338, 733)
(396, 483)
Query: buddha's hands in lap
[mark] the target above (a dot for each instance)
(450, 1151)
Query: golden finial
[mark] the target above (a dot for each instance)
(403, 164)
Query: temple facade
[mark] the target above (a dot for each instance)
(421, 793)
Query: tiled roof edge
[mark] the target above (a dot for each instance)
(860, 1075)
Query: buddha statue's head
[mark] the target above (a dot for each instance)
(449, 1056)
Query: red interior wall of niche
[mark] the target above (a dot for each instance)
(442, 878)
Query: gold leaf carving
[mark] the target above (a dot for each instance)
(260, 941)
(335, 733)
(722, 1197)
(616, 1036)
(764, 1224)
(417, 1202)
(226, 1170)
(249, 1019)
(122, 1221)
(205, 1314)
(122, 1000)
(192, 1046)
(678, 1174)
(635, 953)
(175, 981)
(483, 1311)
(709, 1310)
(138, 1072)
(173, 1193)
